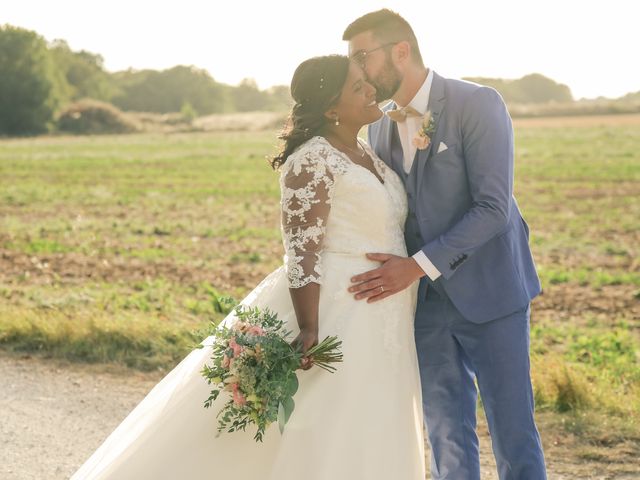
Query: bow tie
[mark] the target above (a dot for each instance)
(400, 115)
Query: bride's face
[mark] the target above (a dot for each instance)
(357, 104)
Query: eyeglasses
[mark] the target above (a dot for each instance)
(360, 57)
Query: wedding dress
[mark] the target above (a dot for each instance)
(363, 421)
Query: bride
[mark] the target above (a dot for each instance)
(364, 421)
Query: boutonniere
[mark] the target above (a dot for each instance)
(422, 138)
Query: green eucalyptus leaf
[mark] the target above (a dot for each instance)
(292, 385)
(281, 417)
(288, 405)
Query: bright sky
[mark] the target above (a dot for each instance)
(587, 44)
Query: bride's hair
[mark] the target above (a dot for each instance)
(316, 86)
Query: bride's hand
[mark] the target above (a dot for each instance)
(303, 342)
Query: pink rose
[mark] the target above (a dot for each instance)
(421, 142)
(256, 330)
(237, 349)
(238, 397)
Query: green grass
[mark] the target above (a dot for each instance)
(578, 369)
(143, 324)
(589, 275)
(118, 249)
(141, 342)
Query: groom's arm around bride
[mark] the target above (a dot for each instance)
(472, 229)
(468, 227)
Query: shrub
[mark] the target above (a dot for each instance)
(94, 117)
(558, 385)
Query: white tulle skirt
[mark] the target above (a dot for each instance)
(362, 422)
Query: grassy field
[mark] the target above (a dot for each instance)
(118, 248)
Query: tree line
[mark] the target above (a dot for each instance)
(533, 88)
(38, 79)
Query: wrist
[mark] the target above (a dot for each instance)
(417, 269)
(309, 329)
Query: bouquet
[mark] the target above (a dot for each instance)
(254, 362)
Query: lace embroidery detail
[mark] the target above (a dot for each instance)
(307, 184)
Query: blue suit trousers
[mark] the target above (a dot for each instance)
(453, 354)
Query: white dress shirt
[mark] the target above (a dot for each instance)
(406, 132)
(408, 128)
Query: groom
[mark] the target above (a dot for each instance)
(469, 247)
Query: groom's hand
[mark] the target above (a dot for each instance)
(395, 274)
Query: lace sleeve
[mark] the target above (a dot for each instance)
(307, 187)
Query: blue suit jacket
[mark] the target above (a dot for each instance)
(472, 228)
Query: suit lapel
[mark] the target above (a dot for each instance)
(435, 105)
(386, 133)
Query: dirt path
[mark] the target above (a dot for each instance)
(54, 414)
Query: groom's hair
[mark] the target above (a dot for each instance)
(388, 27)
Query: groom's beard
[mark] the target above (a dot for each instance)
(387, 82)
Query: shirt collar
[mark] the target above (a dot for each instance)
(421, 99)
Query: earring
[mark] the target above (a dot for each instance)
(337, 122)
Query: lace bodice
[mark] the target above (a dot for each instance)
(331, 204)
